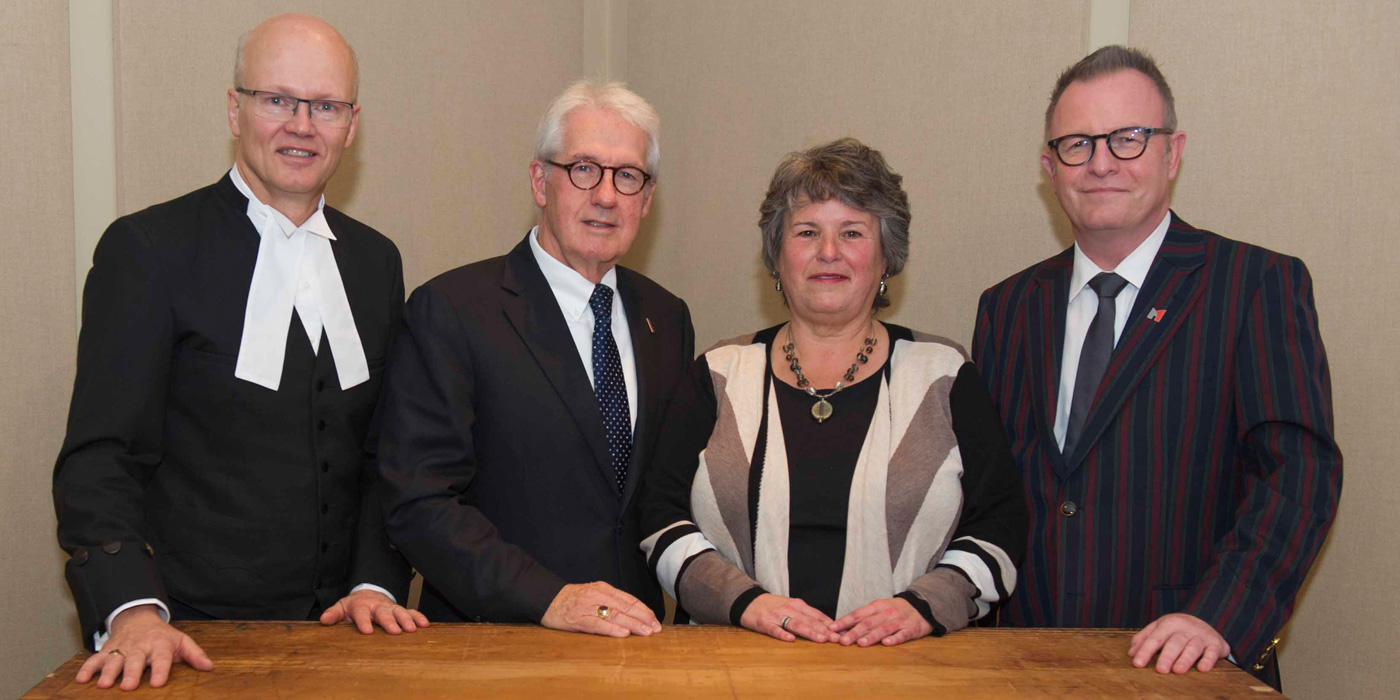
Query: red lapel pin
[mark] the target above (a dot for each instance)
(649, 327)
(1155, 315)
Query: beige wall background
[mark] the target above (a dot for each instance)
(451, 92)
(1288, 107)
(1285, 106)
(930, 84)
(38, 342)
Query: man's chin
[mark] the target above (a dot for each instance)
(297, 186)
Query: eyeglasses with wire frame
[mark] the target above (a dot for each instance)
(1125, 144)
(586, 174)
(279, 107)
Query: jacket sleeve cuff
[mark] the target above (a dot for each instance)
(710, 588)
(950, 597)
(924, 610)
(538, 593)
(106, 577)
(736, 611)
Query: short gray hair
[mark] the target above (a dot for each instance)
(614, 97)
(851, 172)
(1106, 61)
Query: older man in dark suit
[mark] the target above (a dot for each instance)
(1167, 395)
(525, 393)
(231, 352)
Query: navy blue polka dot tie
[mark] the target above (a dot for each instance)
(609, 385)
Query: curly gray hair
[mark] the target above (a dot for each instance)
(852, 172)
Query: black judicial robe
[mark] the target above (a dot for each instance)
(177, 480)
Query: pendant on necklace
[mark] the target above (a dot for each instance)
(821, 410)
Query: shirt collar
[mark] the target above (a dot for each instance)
(571, 289)
(315, 224)
(1133, 268)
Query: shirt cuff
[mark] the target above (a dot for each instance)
(100, 638)
(377, 589)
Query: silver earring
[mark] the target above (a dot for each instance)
(778, 285)
(883, 288)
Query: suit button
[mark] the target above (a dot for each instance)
(325, 467)
(325, 509)
(1068, 509)
(80, 556)
(321, 425)
(325, 547)
(619, 528)
(320, 385)
(111, 546)
(477, 618)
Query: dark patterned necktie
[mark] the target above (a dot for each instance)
(609, 385)
(1093, 359)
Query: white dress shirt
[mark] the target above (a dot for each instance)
(573, 291)
(1084, 303)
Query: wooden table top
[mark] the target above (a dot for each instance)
(304, 659)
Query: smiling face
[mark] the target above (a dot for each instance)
(831, 262)
(287, 164)
(590, 230)
(1108, 198)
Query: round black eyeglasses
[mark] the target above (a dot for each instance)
(1125, 144)
(586, 174)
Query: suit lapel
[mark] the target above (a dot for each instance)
(1047, 304)
(1174, 285)
(646, 353)
(531, 308)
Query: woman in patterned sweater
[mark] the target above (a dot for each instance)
(834, 477)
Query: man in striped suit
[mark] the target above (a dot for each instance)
(1167, 397)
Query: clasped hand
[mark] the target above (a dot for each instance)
(887, 621)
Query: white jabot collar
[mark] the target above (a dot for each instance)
(295, 269)
(571, 289)
(1134, 268)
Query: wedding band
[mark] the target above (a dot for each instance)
(783, 624)
(118, 652)
(602, 612)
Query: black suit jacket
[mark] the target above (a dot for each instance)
(499, 487)
(256, 503)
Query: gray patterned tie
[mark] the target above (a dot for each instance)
(1093, 359)
(609, 385)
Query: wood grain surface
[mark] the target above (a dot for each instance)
(306, 660)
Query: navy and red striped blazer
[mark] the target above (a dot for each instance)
(1207, 475)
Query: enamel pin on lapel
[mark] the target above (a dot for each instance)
(1155, 315)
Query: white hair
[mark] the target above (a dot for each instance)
(614, 97)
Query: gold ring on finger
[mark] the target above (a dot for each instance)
(785, 622)
(118, 652)
(602, 612)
